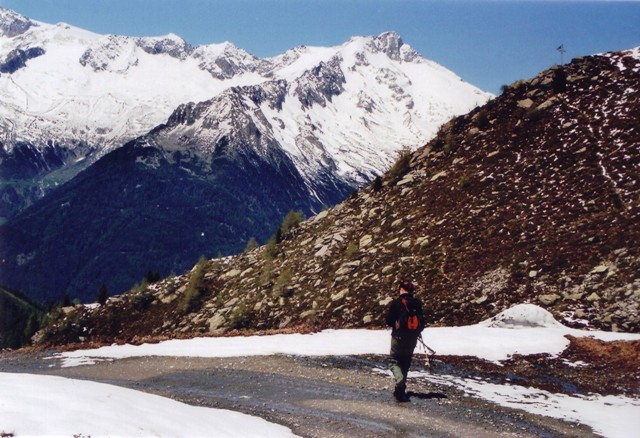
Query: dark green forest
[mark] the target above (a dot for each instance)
(19, 319)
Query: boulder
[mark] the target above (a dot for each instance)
(593, 297)
(548, 299)
(216, 322)
(525, 103)
(365, 241)
(340, 295)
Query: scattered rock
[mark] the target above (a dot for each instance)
(593, 297)
(548, 299)
(340, 295)
(216, 322)
(525, 103)
(366, 241)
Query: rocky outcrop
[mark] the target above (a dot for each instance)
(320, 84)
(16, 59)
(171, 45)
(13, 24)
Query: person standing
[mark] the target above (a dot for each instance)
(406, 319)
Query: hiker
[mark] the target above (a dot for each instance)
(406, 320)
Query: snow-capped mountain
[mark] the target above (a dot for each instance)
(70, 96)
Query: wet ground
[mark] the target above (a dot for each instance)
(314, 396)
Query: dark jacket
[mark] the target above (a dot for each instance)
(394, 312)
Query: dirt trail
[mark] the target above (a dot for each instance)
(316, 397)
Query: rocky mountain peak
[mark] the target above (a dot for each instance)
(391, 44)
(113, 53)
(169, 44)
(319, 84)
(225, 61)
(295, 135)
(13, 24)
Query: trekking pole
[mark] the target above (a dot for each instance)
(427, 348)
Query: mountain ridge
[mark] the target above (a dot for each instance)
(118, 88)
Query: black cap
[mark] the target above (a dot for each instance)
(407, 285)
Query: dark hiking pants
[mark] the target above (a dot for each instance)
(401, 354)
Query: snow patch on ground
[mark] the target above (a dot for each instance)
(611, 416)
(37, 406)
(523, 329)
(522, 316)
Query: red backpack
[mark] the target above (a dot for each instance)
(409, 317)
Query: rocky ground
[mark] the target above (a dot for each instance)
(349, 396)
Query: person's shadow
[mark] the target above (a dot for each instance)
(426, 396)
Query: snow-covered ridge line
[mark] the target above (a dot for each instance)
(346, 109)
(105, 80)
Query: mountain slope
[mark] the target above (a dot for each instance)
(141, 209)
(70, 96)
(533, 197)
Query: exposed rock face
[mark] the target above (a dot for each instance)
(13, 24)
(509, 204)
(171, 45)
(16, 59)
(318, 85)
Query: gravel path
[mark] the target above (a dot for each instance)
(316, 397)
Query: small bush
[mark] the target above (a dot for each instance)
(191, 300)
(291, 221)
(377, 184)
(401, 166)
(283, 280)
(352, 249)
(141, 297)
(251, 244)
(270, 250)
(195, 288)
(240, 317)
(450, 144)
(152, 277)
(102, 295)
(267, 272)
(482, 120)
(559, 81)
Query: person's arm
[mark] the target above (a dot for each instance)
(392, 314)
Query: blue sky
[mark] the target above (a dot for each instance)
(487, 42)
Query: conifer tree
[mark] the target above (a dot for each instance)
(102, 294)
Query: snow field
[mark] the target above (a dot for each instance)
(72, 406)
(38, 406)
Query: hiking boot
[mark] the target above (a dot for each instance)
(399, 393)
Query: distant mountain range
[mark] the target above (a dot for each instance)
(121, 155)
(532, 198)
